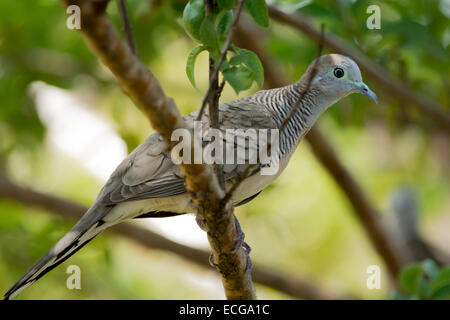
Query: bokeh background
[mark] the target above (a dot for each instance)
(65, 125)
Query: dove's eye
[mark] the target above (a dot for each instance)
(338, 72)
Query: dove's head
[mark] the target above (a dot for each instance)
(337, 76)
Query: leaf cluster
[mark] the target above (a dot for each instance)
(212, 29)
(424, 281)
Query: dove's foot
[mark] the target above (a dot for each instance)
(212, 261)
(240, 243)
(201, 222)
(240, 238)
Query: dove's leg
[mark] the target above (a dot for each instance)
(201, 222)
(239, 242)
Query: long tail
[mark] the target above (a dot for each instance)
(89, 226)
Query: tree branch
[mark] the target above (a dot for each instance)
(145, 91)
(372, 70)
(223, 55)
(406, 213)
(286, 283)
(365, 210)
(323, 151)
(214, 91)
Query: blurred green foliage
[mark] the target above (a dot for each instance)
(424, 280)
(302, 223)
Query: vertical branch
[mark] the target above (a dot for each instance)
(223, 55)
(221, 211)
(213, 103)
(213, 99)
(406, 212)
(208, 6)
(368, 215)
(214, 90)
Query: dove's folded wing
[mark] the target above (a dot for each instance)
(148, 172)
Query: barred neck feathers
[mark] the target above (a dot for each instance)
(279, 103)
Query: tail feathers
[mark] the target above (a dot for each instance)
(89, 226)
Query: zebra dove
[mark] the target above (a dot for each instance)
(148, 183)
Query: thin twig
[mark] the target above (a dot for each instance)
(223, 55)
(208, 7)
(213, 104)
(214, 96)
(213, 100)
(127, 25)
(377, 73)
(222, 85)
(311, 76)
(244, 175)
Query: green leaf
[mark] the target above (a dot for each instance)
(226, 4)
(208, 36)
(441, 280)
(409, 278)
(191, 63)
(193, 16)
(236, 60)
(258, 10)
(442, 293)
(240, 78)
(423, 287)
(225, 22)
(225, 65)
(251, 60)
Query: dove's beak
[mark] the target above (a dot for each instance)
(364, 89)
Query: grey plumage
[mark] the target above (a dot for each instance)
(148, 183)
